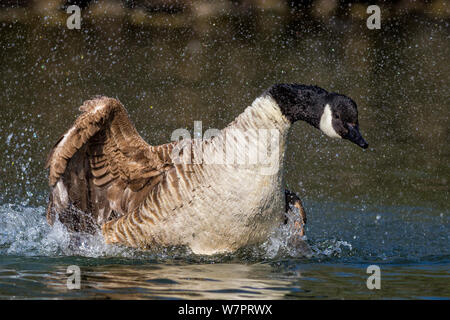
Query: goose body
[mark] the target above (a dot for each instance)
(188, 193)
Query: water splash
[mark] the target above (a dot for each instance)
(25, 232)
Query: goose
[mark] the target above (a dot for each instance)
(104, 176)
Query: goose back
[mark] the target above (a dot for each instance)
(102, 173)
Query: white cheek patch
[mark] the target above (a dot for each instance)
(325, 123)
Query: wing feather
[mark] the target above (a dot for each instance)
(102, 167)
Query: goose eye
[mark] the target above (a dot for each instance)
(336, 116)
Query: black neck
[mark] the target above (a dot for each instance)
(299, 102)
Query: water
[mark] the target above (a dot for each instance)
(35, 258)
(386, 206)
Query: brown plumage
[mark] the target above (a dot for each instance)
(104, 164)
(103, 174)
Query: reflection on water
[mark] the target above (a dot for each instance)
(111, 279)
(211, 281)
(387, 205)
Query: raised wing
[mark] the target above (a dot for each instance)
(101, 168)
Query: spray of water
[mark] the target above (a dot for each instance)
(25, 232)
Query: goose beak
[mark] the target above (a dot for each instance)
(355, 136)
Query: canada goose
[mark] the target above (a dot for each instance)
(102, 173)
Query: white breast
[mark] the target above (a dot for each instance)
(232, 204)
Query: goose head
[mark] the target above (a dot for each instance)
(336, 115)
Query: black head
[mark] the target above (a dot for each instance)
(334, 114)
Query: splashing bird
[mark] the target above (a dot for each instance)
(104, 175)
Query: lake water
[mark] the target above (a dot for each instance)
(385, 206)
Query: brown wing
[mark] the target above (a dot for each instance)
(101, 168)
